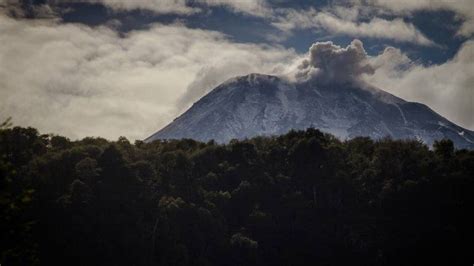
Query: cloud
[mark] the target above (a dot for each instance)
(396, 29)
(464, 8)
(447, 88)
(81, 81)
(258, 8)
(21, 9)
(156, 6)
(250, 7)
(330, 63)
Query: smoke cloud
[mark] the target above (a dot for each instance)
(330, 63)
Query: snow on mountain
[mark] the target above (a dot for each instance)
(257, 104)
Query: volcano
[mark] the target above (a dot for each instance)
(264, 105)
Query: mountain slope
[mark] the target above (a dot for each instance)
(267, 105)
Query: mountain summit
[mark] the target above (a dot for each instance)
(256, 104)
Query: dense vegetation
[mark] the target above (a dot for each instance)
(304, 198)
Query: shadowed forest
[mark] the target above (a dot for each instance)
(304, 198)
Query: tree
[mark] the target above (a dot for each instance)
(6, 124)
(87, 170)
(444, 148)
(303, 197)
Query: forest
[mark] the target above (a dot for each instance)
(303, 198)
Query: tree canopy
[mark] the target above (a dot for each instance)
(303, 198)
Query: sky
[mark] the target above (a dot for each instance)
(113, 68)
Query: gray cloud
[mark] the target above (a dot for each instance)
(23, 8)
(330, 63)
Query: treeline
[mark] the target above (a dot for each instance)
(304, 198)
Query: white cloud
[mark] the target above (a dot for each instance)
(80, 81)
(447, 88)
(251, 7)
(396, 29)
(157, 6)
(259, 8)
(464, 8)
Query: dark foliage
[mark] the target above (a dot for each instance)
(304, 198)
